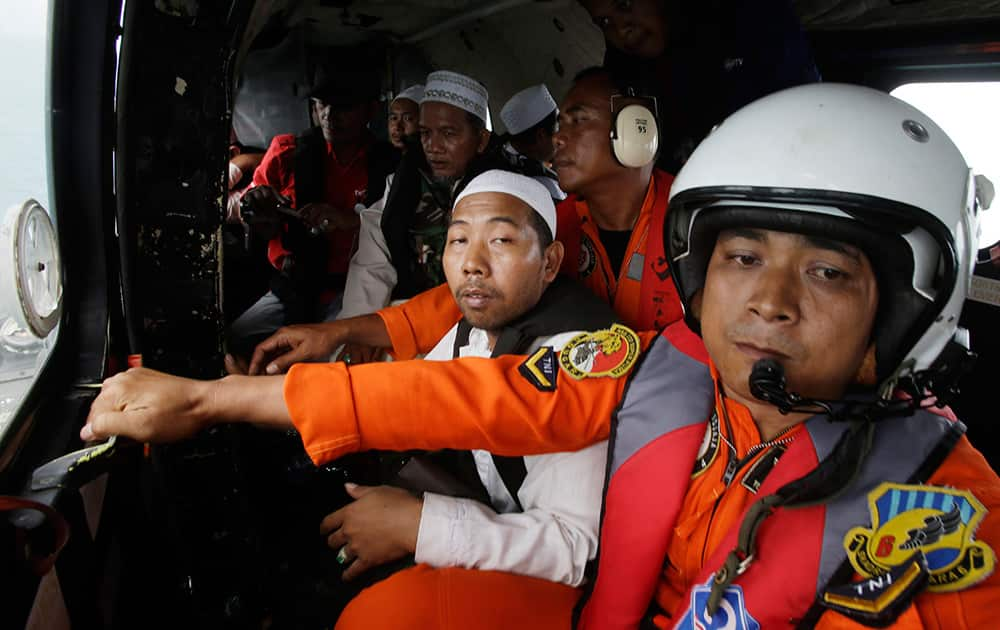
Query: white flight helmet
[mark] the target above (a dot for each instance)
(851, 164)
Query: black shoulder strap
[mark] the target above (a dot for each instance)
(511, 469)
(461, 337)
(398, 207)
(383, 159)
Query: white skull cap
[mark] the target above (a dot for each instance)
(413, 93)
(523, 187)
(459, 91)
(527, 108)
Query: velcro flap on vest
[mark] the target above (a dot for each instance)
(877, 602)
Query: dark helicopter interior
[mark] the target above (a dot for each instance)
(220, 531)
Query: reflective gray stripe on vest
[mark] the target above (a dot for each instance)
(669, 390)
(900, 448)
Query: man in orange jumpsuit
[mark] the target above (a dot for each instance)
(784, 468)
(611, 226)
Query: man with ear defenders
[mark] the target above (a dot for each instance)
(611, 226)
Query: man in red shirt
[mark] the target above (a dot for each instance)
(320, 175)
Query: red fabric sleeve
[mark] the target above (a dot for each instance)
(568, 232)
(277, 167)
(418, 324)
(463, 404)
(277, 170)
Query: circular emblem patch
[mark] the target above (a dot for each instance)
(709, 446)
(588, 257)
(610, 352)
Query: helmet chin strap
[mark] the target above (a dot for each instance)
(938, 385)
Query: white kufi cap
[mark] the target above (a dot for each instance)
(459, 91)
(523, 187)
(527, 108)
(413, 93)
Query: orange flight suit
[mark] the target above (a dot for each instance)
(323, 402)
(642, 293)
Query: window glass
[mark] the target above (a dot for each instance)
(24, 176)
(968, 113)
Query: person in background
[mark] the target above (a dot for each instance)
(531, 117)
(404, 116)
(403, 234)
(303, 199)
(243, 161)
(611, 226)
(702, 60)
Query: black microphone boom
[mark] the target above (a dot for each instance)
(767, 383)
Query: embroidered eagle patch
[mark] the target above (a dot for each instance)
(940, 522)
(611, 352)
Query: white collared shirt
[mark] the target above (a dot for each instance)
(555, 535)
(371, 276)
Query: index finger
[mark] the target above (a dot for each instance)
(355, 569)
(101, 424)
(265, 349)
(332, 521)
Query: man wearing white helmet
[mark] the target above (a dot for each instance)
(785, 466)
(531, 117)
